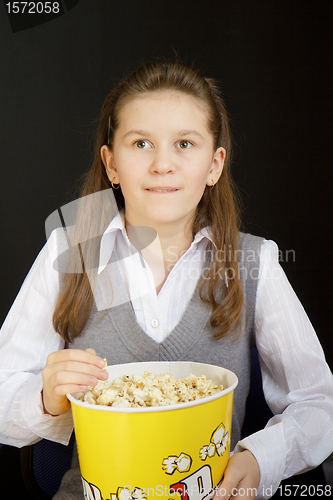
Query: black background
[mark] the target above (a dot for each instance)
(273, 59)
(273, 62)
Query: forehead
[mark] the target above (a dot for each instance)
(163, 108)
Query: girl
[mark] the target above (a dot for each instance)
(156, 269)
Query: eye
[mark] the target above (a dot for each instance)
(184, 144)
(141, 144)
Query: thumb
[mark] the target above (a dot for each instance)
(224, 490)
(232, 476)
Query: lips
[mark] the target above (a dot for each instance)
(162, 189)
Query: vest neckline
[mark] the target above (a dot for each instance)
(183, 335)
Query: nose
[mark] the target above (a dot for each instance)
(162, 162)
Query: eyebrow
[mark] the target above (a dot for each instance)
(136, 132)
(190, 132)
(145, 133)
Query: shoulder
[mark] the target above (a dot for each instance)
(250, 248)
(264, 249)
(55, 245)
(248, 240)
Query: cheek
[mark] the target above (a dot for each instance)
(130, 179)
(127, 170)
(198, 174)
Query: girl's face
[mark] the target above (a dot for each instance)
(163, 157)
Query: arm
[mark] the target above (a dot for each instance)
(27, 337)
(297, 382)
(36, 371)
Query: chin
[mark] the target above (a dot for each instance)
(169, 219)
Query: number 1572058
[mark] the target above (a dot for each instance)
(305, 490)
(33, 7)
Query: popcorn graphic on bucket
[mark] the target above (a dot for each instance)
(176, 452)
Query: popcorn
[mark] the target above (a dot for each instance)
(182, 463)
(140, 391)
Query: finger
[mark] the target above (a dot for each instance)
(224, 491)
(238, 482)
(234, 493)
(67, 370)
(232, 477)
(76, 355)
(92, 351)
(243, 492)
(61, 391)
(62, 377)
(228, 487)
(88, 356)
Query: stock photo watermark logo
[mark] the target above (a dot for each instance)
(27, 15)
(82, 249)
(196, 486)
(87, 243)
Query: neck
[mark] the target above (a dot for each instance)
(163, 253)
(174, 246)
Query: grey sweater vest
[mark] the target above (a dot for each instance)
(115, 335)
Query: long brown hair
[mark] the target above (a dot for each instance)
(218, 207)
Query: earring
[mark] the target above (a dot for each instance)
(212, 186)
(115, 186)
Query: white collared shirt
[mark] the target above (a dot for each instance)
(297, 382)
(157, 314)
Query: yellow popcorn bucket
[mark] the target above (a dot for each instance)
(176, 452)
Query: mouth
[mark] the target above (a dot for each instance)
(164, 189)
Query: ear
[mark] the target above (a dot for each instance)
(216, 167)
(107, 159)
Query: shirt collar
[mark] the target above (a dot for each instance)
(108, 240)
(117, 226)
(203, 233)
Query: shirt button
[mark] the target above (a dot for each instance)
(154, 323)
